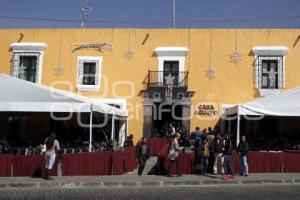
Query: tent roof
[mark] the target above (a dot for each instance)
(286, 103)
(23, 96)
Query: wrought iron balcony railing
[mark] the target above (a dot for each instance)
(167, 78)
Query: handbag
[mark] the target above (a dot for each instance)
(173, 154)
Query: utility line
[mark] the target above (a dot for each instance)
(153, 21)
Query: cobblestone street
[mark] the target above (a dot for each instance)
(274, 192)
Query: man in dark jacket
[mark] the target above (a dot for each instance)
(227, 158)
(218, 149)
(142, 154)
(243, 149)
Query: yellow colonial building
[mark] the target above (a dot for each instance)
(186, 76)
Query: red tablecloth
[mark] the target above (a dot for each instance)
(291, 162)
(155, 145)
(97, 163)
(31, 166)
(118, 165)
(5, 164)
(129, 156)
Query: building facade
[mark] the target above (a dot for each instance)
(187, 76)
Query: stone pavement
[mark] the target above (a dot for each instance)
(144, 181)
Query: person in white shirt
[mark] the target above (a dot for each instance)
(52, 148)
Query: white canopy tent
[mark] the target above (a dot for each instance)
(23, 96)
(286, 103)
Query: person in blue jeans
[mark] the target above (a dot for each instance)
(197, 137)
(227, 158)
(243, 149)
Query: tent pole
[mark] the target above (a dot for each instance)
(229, 127)
(112, 128)
(238, 127)
(91, 131)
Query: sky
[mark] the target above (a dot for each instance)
(151, 13)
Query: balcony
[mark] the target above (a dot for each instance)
(166, 78)
(157, 83)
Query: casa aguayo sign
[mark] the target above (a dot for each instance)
(206, 110)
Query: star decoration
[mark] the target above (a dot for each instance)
(210, 73)
(129, 54)
(169, 80)
(235, 57)
(58, 71)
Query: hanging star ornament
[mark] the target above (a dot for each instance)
(169, 80)
(59, 71)
(129, 54)
(210, 73)
(235, 57)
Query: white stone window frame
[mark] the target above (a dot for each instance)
(28, 49)
(171, 54)
(269, 53)
(80, 61)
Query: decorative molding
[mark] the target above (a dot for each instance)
(98, 46)
(171, 51)
(28, 47)
(270, 50)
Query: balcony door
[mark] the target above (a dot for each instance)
(171, 69)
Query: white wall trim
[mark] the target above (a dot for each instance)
(28, 46)
(171, 51)
(95, 87)
(32, 47)
(270, 50)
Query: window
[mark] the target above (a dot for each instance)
(26, 66)
(27, 61)
(269, 75)
(171, 68)
(88, 73)
(269, 68)
(171, 59)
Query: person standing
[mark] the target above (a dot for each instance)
(227, 158)
(243, 149)
(218, 149)
(52, 148)
(142, 155)
(197, 137)
(205, 156)
(174, 154)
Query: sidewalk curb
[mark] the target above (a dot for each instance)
(100, 184)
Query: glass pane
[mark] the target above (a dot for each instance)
(172, 68)
(27, 68)
(264, 81)
(89, 73)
